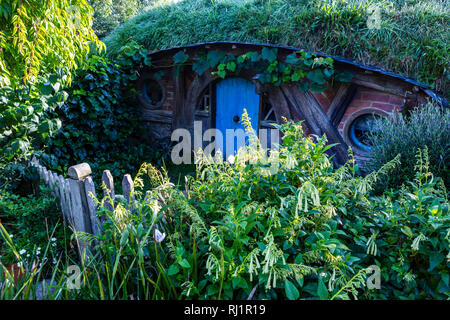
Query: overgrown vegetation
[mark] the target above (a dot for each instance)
(405, 134)
(36, 226)
(41, 43)
(100, 123)
(419, 29)
(242, 231)
(108, 14)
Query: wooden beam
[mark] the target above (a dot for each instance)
(339, 105)
(161, 116)
(179, 100)
(278, 102)
(314, 115)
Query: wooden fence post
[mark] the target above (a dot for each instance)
(128, 190)
(91, 206)
(108, 180)
(81, 216)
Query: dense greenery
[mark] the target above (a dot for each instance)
(39, 36)
(406, 134)
(36, 226)
(307, 70)
(108, 14)
(100, 123)
(240, 230)
(41, 42)
(419, 30)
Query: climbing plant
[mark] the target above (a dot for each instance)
(38, 36)
(308, 70)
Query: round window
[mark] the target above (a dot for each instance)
(360, 130)
(152, 92)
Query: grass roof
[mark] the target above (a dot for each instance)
(413, 38)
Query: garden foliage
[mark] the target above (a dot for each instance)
(239, 230)
(100, 120)
(406, 134)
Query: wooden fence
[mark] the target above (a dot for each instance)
(76, 194)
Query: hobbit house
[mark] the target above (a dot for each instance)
(214, 82)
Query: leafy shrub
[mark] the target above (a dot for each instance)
(427, 126)
(100, 121)
(36, 226)
(407, 234)
(240, 230)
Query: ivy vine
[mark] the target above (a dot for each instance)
(308, 70)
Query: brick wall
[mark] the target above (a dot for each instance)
(371, 100)
(169, 85)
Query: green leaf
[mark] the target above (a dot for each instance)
(231, 66)
(316, 76)
(269, 54)
(173, 269)
(407, 230)
(322, 290)
(184, 263)
(435, 260)
(200, 66)
(291, 291)
(213, 57)
(292, 58)
(344, 76)
(180, 57)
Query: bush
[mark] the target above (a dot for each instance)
(100, 121)
(427, 126)
(36, 226)
(240, 230)
(406, 233)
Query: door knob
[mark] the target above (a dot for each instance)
(236, 119)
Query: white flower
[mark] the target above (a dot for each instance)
(11, 235)
(54, 261)
(53, 244)
(159, 236)
(53, 239)
(323, 274)
(28, 255)
(19, 264)
(230, 159)
(21, 252)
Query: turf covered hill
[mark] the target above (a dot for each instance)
(413, 38)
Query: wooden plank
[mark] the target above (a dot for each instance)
(317, 120)
(278, 102)
(179, 99)
(62, 197)
(89, 189)
(341, 101)
(382, 83)
(108, 180)
(128, 190)
(80, 220)
(160, 116)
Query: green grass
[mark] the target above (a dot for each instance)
(413, 39)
